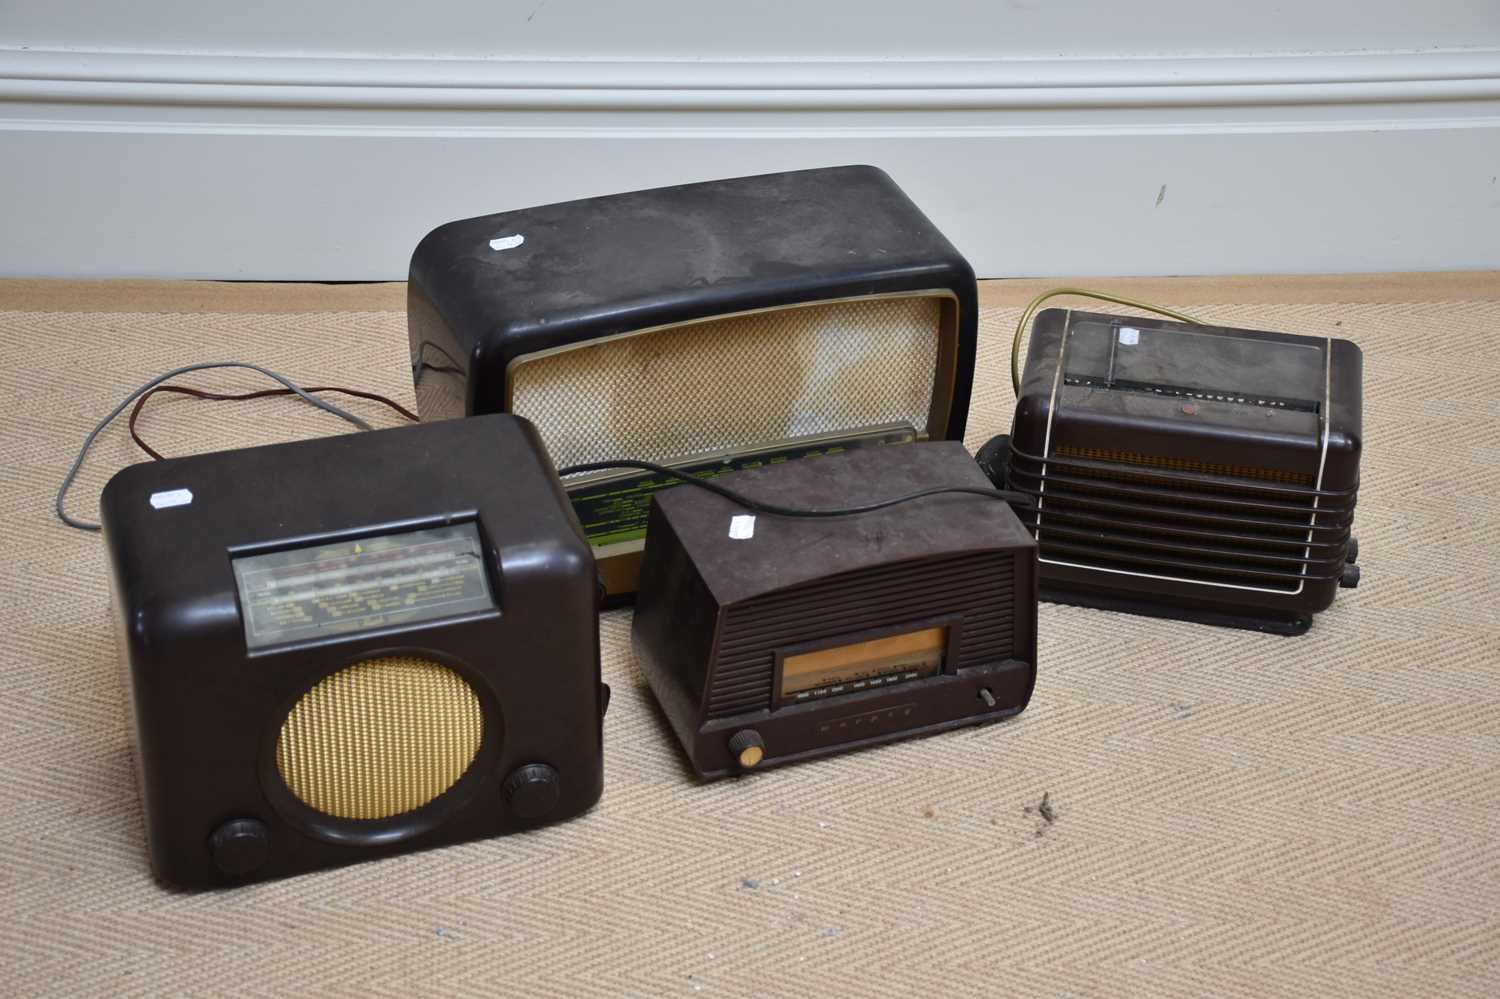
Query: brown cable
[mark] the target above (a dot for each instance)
(262, 394)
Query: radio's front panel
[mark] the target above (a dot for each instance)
(901, 650)
(855, 718)
(332, 670)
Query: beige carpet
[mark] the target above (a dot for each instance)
(1235, 814)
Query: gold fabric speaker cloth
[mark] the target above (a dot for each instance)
(380, 738)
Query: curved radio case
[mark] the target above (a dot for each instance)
(348, 647)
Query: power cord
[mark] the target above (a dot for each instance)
(141, 395)
(88, 442)
(776, 510)
(140, 404)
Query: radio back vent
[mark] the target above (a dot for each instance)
(1132, 516)
(972, 585)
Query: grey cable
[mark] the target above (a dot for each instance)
(88, 442)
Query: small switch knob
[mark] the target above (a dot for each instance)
(532, 791)
(994, 461)
(240, 847)
(747, 747)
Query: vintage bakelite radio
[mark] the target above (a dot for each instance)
(708, 326)
(769, 639)
(348, 647)
(1187, 471)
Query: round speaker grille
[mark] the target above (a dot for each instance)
(379, 738)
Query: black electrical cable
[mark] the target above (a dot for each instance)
(776, 510)
(759, 506)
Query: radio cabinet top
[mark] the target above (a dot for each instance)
(485, 291)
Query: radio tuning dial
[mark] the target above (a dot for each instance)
(747, 748)
(532, 790)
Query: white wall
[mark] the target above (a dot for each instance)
(751, 29)
(320, 140)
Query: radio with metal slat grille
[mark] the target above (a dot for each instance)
(1187, 471)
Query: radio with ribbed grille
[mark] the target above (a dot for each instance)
(784, 638)
(710, 326)
(348, 647)
(1188, 471)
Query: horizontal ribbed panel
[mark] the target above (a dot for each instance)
(1118, 457)
(979, 587)
(1174, 520)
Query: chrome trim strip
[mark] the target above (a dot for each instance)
(1062, 358)
(1312, 523)
(1178, 579)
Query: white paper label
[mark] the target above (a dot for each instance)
(171, 497)
(1129, 336)
(507, 242)
(742, 526)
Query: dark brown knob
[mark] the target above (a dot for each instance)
(532, 790)
(240, 847)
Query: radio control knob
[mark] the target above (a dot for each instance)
(747, 748)
(532, 790)
(239, 847)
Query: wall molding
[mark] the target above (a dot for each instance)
(129, 164)
(195, 80)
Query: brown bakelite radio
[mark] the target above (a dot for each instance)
(345, 648)
(770, 639)
(1187, 471)
(709, 327)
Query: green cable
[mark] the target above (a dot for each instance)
(1015, 345)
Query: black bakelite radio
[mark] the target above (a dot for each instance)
(1187, 471)
(354, 646)
(769, 639)
(708, 326)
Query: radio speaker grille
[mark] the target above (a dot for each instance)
(1099, 509)
(380, 738)
(737, 381)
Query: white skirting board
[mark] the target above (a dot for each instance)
(317, 168)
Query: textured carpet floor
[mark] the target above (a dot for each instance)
(1235, 814)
